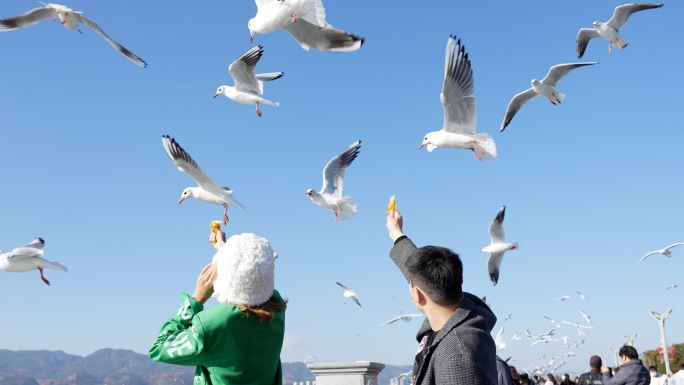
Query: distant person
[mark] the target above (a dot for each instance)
(631, 370)
(551, 380)
(525, 379)
(514, 375)
(503, 372)
(456, 346)
(656, 378)
(594, 376)
(678, 378)
(239, 340)
(565, 380)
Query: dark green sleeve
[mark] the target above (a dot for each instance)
(181, 339)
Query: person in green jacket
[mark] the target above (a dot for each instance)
(239, 340)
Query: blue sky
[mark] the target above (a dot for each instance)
(590, 185)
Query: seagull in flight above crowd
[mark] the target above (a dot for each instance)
(582, 296)
(585, 316)
(305, 21)
(545, 88)
(498, 246)
(405, 318)
(349, 293)
(664, 251)
(69, 18)
(516, 337)
(565, 339)
(330, 196)
(673, 286)
(610, 30)
(207, 190)
(460, 118)
(508, 317)
(248, 85)
(553, 322)
(563, 298)
(29, 257)
(499, 341)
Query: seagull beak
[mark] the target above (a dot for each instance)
(181, 200)
(215, 95)
(421, 146)
(251, 39)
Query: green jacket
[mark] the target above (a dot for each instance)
(226, 346)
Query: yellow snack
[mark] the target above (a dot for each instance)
(392, 206)
(215, 226)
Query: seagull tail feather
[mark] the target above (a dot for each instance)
(486, 143)
(347, 208)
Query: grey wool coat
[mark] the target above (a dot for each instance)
(463, 351)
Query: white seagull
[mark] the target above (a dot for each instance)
(330, 196)
(610, 30)
(553, 322)
(664, 251)
(460, 117)
(405, 318)
(673, 286)
(516, 337)
(585, 316)
(498, 246)
(305, 21)
(208, 191)
(69, 18)
(545, 88)
(248, 85)
(499, 341)
(28, 258)
(349, 293)
(563, 298)
(577, 325)
(582, 296)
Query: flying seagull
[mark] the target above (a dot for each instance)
(577, 325)
(508, 317)
(664, 251)
(545, 88)
(248, 85)
(305, 21)
(499, 341)
(582, 296)
(498, 246)
(330, 196)
(563, 298)
(610, 30)
(208, 191)
(405, 318)
(349, 293)
(585, 316)
(460, 117)
(69, 18)
(516, 337)
(553, 322)
(28, 258)
(673, 286)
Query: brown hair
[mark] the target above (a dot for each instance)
(266, 310)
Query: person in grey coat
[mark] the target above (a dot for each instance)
(456, 346)
(631, 371)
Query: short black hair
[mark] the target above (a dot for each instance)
(438, 272)
(629, 352)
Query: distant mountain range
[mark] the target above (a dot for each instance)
(120, 367)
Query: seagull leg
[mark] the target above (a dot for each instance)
(475, 155)
(43, 277)
(225, 214)
(258, 111)
(610, 48)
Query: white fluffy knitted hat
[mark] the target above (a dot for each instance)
(244, 270)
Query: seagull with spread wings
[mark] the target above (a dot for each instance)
(404, 317)
(248, 85)
(498, 246)
(27, 258)
(330, 196)
(207, 190)
(349, 293)
(664, 251)
(545, 87)
(305, 21)
(458, 101)
(69, 18)
(610, 30)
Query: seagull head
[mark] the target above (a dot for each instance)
(535, 82)
(426, 140)
(251, 31)
(310, 193)
(219, 91)
(187, 193)
(596, 24)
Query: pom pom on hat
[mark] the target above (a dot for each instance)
(244, 270)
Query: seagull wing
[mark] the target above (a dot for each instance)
(124, 51)
(583, 37)
(494, 265)
(515, 105)
(324, 38)
(457, 90)
(32, 250)
(346, 289)
(647, 255)
(558, 72)
(357, 302)
(623, 12)
(673, 245)
(393, 320)
(499, 341)
(29, 18)
(496, 231)
(188, 165)
(242, 71)
(333, 173)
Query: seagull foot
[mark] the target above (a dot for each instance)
(610, 48)
(258, 111)
(475, 155)
(225, 214)
(42, 277)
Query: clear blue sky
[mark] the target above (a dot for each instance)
(590, 185)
